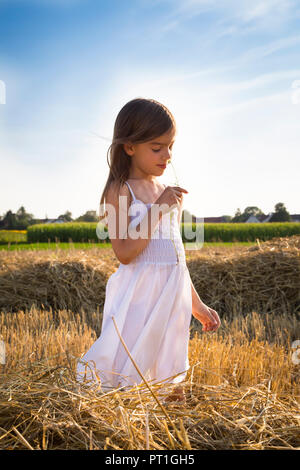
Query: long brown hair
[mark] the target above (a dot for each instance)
(140, 120)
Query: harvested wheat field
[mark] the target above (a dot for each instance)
(242, 389)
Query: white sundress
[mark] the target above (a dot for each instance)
(151, 301)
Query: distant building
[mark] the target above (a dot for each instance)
(50, 221)
(212, 220)
(209, 220)
(252, 219)
(260, 219)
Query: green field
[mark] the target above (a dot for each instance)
(87, 235)
(15, 236)
(67, 246)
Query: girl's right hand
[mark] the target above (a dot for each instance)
(171, 195)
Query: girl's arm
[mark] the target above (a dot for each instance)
(196, 301)
(125, 247)
(133, 247)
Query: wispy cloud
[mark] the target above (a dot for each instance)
(241, 12)
(270, 48)
(258, 9)
(254, 83)
(253, 54)
(229, 17)
(255, 103)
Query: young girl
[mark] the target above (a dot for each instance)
(151, 296)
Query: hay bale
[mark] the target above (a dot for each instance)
(73, 279)
(265, 277)
(234, 281)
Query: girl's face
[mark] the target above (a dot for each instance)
(151, 157)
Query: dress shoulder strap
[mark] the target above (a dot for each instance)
(132, 193)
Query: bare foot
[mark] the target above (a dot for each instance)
(176, 395)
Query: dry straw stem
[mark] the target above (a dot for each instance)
(241, 393)
(53, 413)
(181, 435)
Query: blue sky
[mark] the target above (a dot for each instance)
(229, 71)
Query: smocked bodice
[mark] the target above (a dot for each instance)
(165, 246)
